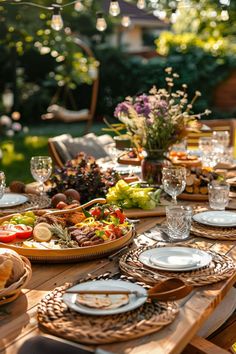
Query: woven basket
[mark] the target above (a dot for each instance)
(220, 268)
(55, 317)
(212, 232)
(10, 293)
(34, 201)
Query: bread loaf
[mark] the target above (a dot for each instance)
(17, 264)
(6, 268)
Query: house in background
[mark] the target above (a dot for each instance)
(144, 28)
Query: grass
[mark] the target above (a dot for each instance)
(17, 151)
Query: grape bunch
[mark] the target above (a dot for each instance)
(84, 175)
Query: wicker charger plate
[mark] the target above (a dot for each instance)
(212, 232)
(220, 268)
(34, 201)
(13, 291)
(72, 254)
(56, 318)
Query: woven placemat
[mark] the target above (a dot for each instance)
(34, 201)
(220, 268)
(56, 318)
(216, 233)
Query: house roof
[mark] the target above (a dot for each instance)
(138, 16)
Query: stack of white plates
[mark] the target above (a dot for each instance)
(175, 259)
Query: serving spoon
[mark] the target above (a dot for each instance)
(78, 208)
(169, 290)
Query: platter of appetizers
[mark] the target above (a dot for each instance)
(130, 158)
(196, 184)
(69, 234)
(184, 159)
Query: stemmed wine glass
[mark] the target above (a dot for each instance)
(174, 181)
(2, 183)
(41, 169)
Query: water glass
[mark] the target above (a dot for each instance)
(222, 138)
(2, 183)
(174, 181)
(41, 169)
(218, 194)
(205, 144)
(178, 221)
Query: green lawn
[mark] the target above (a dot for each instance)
(18, 150)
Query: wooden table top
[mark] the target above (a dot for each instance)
(18, 319)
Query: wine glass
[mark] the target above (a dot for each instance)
(174, 181)
(41, 169)
(2, 183)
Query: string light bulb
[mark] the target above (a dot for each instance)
(56, 22)
(114, 8)
(141, 4)
(224, 15)
(78, 6)
(126, 22)
(101, 24)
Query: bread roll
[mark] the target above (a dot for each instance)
(5, 272)
(18, 268)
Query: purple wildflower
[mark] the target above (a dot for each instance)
(142, 105)
(122, 108)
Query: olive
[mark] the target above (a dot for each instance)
(59, 197)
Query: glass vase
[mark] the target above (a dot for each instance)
(152, 166)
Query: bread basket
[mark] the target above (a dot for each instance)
(11, 292)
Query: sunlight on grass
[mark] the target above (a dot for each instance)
(9, 154)
(35, 142)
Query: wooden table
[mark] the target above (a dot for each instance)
(18, 320)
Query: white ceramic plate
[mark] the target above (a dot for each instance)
(216, 218)
(175, 258)
(134, 301)
(12, 199)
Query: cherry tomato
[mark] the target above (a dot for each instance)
(96, 212)
(7, 236)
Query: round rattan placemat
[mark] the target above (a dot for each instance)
(34, 201)
(220, 268)
(56, 318)
(212, 232)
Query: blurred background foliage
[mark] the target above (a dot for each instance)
(35, 60)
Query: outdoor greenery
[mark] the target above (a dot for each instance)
(15, 161)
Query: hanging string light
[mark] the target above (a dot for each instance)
(78, 6)
(114, 8)
(56, 22)
(224, 15)
(126, 21)
(101, 24)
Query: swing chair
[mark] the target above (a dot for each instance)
(56, 112)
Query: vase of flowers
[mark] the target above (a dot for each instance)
(152, 165)
(156, 121)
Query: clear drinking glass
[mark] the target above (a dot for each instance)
(2, 183)
(178, 220)
(41, 169)
(222, 138)
(174, 181)
(218, 194)
(205, 144)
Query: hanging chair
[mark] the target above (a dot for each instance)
(56, 112)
